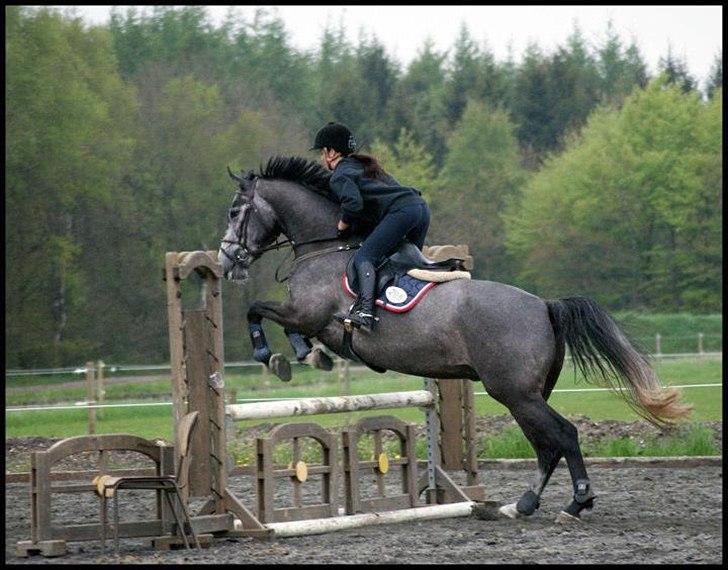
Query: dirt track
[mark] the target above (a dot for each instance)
(642, 515)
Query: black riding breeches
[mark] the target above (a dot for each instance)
(407, 222)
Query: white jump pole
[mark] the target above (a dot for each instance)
(321, 526)
(313, 406)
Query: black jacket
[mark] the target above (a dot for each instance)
(366, 199)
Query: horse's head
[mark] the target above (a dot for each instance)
(252, 225)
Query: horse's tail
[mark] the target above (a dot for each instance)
(603, 353)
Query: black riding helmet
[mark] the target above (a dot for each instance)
(336, 136)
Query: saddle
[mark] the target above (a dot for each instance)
(403, 279)
(409, 260)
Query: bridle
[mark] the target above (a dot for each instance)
(245, 251)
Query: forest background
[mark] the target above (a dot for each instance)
(569, 172)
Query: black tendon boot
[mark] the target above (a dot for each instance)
(361, 314)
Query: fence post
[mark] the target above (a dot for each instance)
(658, 350)
(700, 343)
(90, 397)
(100, 390)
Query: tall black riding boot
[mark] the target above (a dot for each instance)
(362, 312)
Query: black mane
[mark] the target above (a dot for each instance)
(298, 169)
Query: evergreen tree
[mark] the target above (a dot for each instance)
(418, 103)
(409, 162)
(620, 70)
(715, 80)
(572, 89)
(463, 76)
(480, 177)
(676, 71)
(530, 109)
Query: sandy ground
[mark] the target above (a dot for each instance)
(642, 515)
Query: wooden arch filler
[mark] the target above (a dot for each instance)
(380, 465)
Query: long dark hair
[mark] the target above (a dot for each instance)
(372, 168)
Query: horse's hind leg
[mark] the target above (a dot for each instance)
(552, 436)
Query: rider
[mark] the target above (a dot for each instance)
(369, 196)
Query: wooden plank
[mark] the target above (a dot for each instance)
(92, 531)
(451, 424)
(47, 548)
(248, 521)
(287, 514)
(91, 397)
(351, 471)
(198, 371)
(469, 433)
(104, 442)
(216, 404)
(176, 346)
(312, 470)
(42, 497)
(392, 503)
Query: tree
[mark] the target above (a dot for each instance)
(630, 212)
(463, 74)
(418, 103)
(715, 80)
(620, 70)
(572, 89)
(529, 109)
(677, 72)
(409, 162)
(69, 121)
(480, 177)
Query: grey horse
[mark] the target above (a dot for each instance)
(510, 340)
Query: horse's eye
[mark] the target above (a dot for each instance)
(233, 213)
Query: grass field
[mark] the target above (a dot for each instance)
(155, 421)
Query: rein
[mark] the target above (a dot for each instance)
(312, 254)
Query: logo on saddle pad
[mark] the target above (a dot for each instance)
(398, 298)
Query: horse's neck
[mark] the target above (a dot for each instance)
(320, 271)
(306, 216)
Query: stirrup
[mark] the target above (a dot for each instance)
(364, 320)
(357, 319)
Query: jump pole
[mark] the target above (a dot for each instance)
(322, 526)
(336, 404)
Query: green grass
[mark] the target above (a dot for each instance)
(510, 443)
(691, 440)
(679, 331)
(155, 422)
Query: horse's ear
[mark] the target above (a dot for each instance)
(244, 181)
(234, 176)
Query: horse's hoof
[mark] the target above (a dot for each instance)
(510, 511)
(319, 359)
(280, 366)
(487, 511)
(565, 518)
